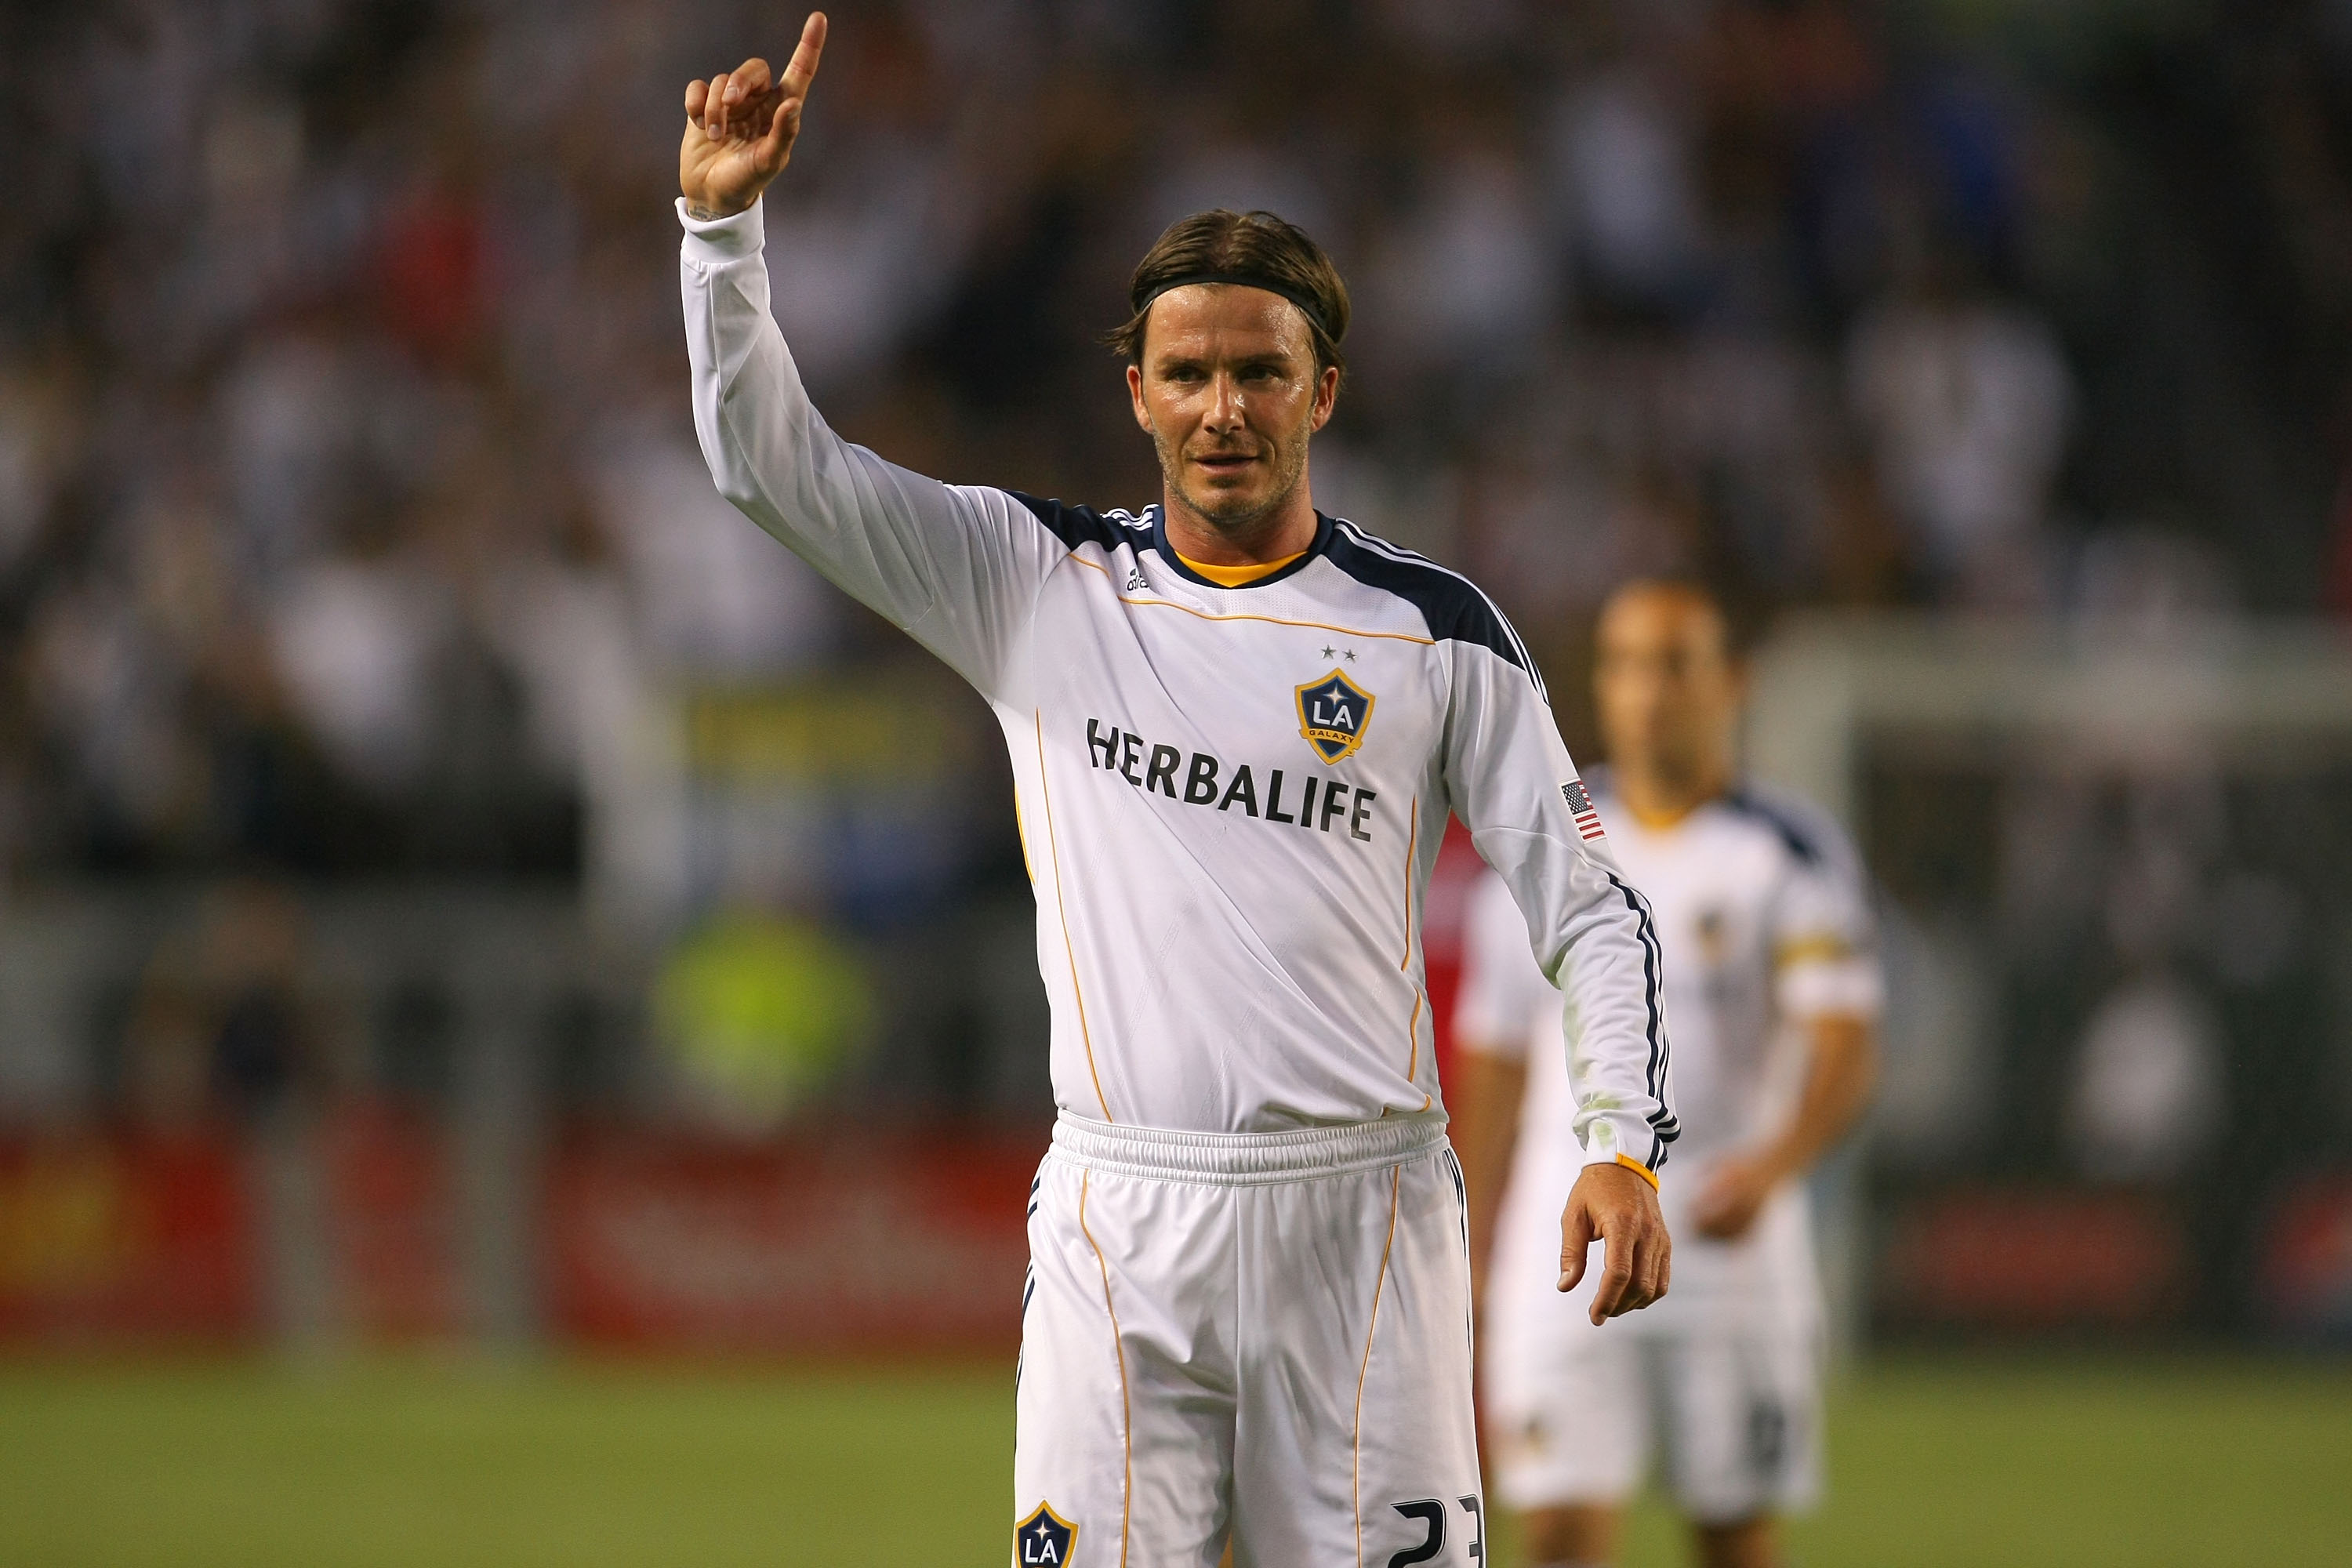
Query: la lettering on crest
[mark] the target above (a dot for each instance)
(1043, 1539)
(1333, 713)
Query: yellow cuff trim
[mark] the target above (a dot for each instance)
(1639, 1169)
(1237, 576)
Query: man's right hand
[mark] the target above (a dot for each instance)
(740, 127)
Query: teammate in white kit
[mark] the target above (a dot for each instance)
(1773, 993)
(1236, 728)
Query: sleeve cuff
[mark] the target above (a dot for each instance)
(1612, 1157)
(724, 238)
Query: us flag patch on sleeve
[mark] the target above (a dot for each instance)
(1580, 805)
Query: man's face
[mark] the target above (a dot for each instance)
(1668, 691)
(1229, 394)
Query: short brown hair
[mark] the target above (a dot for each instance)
(1738, 618)
(1241, 248)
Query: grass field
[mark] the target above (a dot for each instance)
(1963, 1463)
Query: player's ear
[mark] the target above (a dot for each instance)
(1326, 396)
(1135, 393)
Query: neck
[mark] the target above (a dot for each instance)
(1660, 797)
(1281, 532)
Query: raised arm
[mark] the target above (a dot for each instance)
(1513, 783)
(958, 567)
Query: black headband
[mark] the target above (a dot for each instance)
(1298, 297)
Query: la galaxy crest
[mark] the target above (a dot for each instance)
(1043, 1539)
(1333, 715)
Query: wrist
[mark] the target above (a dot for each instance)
(708, 200)
(722, 237)
(1639, 1169)
(707, 208)
(1626, 1163)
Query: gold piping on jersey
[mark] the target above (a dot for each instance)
(1412, 1028)
(1404, 965)
(1274, 620)
(1021, 831)
(1411, 842)
(1061, 911)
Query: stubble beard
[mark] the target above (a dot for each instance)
(1232, 518)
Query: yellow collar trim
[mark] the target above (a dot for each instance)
(1237, 576)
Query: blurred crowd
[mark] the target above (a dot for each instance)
(348, 500)
(364, 594)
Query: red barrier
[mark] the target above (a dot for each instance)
(889, 1244)
(126, 1237)
(392, 1224)
(2023, 1257)
(2306, 1270)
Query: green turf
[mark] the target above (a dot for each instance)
(412, 1466)
(2138, 1465)
(2141, 1465)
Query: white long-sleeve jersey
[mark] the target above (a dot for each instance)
(1230, 798)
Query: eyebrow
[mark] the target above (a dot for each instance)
(1174, 360)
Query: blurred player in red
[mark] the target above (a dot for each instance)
(1237, 727)
(1774, 997)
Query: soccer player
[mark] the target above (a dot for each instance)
(1773, 993)
(1236, 727)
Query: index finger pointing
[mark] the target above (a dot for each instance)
(802, 70)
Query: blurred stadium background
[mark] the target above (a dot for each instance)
(518, 1031)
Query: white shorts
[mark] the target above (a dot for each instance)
(1262, 1334)
(1574, 1414)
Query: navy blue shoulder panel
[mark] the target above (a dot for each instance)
(1802, 837)
(1453, 607)
(1077, 525)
